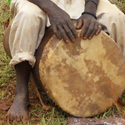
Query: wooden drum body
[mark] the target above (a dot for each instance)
(84, 78)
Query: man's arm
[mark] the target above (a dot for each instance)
(88, 21)
(61, 23)
(91, 6)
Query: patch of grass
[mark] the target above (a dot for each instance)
(6, 73)
(120, 4)
(114, 111)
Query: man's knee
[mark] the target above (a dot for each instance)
(30, 13)
(29, 10)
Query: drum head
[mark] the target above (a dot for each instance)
(84, 78)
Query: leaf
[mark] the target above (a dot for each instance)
(4, 105)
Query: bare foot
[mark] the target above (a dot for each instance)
(19, 109)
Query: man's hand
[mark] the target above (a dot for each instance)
(89, 26)
(62, 25)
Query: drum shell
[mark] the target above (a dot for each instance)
(40, 69)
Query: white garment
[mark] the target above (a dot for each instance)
(28, 27)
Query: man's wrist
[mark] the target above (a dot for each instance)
(92, 2)
(91, 7)
(89, 14)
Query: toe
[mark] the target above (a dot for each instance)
(13, 117)
(26, 118)
(18, 118)
(7, 116)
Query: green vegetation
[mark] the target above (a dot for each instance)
(7, 84)
(5, 72)
(120, 4)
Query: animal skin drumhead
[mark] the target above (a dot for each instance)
(84, 77)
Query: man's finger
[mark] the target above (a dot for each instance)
(69, 33)
(63, 34)
(79, 24)
(94, 31)
(90, 30)
(99, 29)
(56, 32)
(72, 28)
(84, 29)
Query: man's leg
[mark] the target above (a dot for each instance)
(27, 31)
(19, 108)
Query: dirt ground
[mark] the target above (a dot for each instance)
(38, 116)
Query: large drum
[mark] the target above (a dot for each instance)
(85, 77)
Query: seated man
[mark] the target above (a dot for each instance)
(28, 27)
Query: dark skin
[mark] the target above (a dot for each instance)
(88, 23)
(19, 109)
(63, 29)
